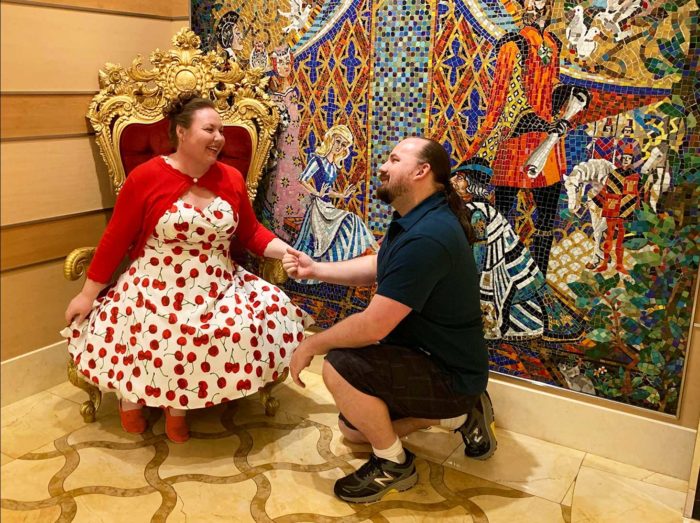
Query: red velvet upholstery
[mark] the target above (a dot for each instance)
(141, 142)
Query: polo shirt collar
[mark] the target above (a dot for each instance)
(414, 215)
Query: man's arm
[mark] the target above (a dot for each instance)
(359, 330)
(356, 272)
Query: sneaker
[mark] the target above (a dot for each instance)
(478, 431)
(375, 478)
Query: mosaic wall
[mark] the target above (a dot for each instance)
(572, 129)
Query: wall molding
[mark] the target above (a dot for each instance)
(163, 8)
(26, 244)
(44, 116)
(33, 372)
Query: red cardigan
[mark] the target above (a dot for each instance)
(149, 191)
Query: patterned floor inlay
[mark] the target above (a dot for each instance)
(242, 466)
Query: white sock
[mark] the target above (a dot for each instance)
(453, 423)
(394, 453)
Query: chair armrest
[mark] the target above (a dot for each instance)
(272, 271)
(77, 262)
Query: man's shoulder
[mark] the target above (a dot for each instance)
(515, 40)
(439, 227)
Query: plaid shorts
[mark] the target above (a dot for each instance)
(407, 380)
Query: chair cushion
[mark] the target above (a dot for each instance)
(141, 142)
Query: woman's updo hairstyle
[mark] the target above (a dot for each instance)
(181, 110)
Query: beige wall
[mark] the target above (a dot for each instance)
(54, 189)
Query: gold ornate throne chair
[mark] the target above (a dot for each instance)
(127, 116)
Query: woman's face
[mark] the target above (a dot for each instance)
(340, 146)
(283, 65)
(236, 38)
(204, 139)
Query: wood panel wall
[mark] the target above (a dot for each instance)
(55, 194)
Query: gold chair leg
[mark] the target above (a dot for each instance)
(90, 407)
(272, 404)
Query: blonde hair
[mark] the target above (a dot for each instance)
(341, 131)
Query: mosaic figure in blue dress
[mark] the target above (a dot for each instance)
(516, 301)
(328, 233)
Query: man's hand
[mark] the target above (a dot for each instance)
(298, 265)
(301, 359)
(560, 127)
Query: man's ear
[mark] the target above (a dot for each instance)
(423, 170)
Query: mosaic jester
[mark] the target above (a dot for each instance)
(524, 100)
(416, 357)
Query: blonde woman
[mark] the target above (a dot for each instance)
(328, 233)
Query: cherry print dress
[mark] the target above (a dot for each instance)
(185, 326)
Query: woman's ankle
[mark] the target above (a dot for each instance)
(127, 405)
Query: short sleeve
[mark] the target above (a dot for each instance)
(413, 270)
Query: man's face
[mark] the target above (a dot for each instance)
(397, 171)
(626, 160)
(536, 12)
(259, 44)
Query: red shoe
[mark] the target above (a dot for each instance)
(176, 427)
(132, 420)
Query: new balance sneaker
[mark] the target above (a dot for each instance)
(375, 478)
(478, 431)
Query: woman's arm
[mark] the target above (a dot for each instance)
(276, 249)
(81, 305)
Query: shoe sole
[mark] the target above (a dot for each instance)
(489, 421)
(399, 486)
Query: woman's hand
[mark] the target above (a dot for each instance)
(78, 308)
(298, 265)
(347, 192)
(324, 190)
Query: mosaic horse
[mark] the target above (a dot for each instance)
(584, 182)
(657, 172)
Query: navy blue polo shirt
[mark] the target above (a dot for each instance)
(426, 263)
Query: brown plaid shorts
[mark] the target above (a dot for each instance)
(407, 380)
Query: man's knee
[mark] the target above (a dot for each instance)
(331, 377)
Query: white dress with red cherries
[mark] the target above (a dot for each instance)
(185, 326)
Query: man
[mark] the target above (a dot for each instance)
(618, 199)
(523, 102)
(605, 146)
(416, 356)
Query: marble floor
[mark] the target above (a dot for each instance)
(242, 466)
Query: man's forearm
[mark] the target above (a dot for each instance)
(352, 332)
(360, 271)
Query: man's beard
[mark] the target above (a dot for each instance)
(388, 194)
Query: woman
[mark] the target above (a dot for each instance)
(284, 188)
(183, 327)
(328, 233)
(516, 301)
